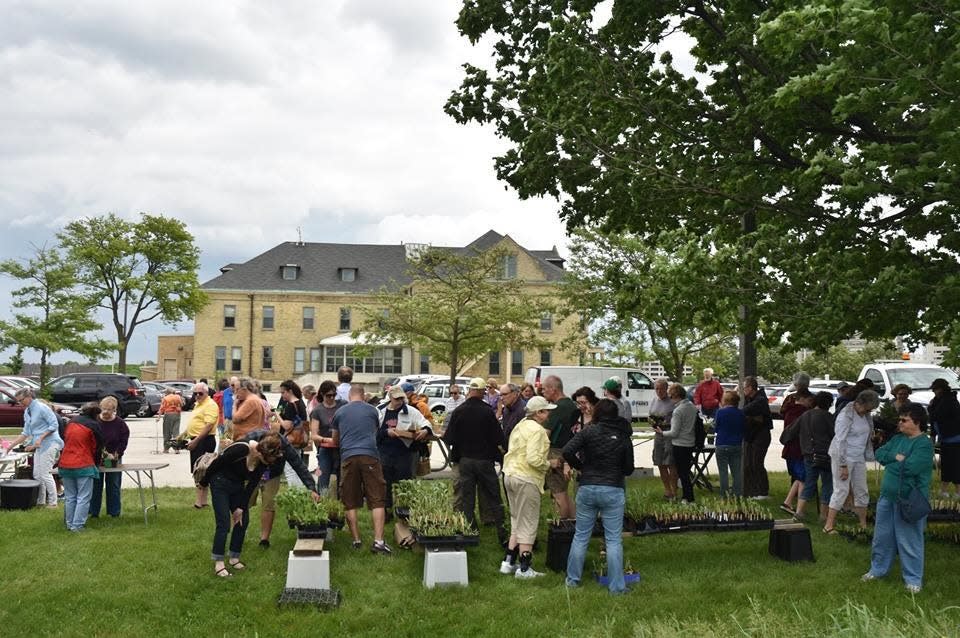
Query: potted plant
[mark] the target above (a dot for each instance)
(310, 518)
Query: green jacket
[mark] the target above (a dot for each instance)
(915, 469)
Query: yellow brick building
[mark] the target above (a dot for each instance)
(289, 313)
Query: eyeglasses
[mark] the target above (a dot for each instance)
(332, 395)
(455, 393)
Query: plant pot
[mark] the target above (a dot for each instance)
(19, 494)
(314, 530)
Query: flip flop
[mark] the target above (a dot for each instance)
(199, 507)
(223, 573)
(237, 566)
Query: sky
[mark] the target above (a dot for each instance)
(247, 120)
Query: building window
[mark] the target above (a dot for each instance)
(494, 363)
(290, 272)
(516, 363)
(267, 362)
(546, 358)
(236, 356)
(508, 267)
(268, 317)
(308, 317)
(229, 316)
(314, 359)
(344, 319)
(220, 358)
(424, 364)
(377, 361)
(546, 322)
(384, 315)
(299, 359)
(348, 274)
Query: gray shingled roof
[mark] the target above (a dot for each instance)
(377, 265)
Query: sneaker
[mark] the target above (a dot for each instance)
(264, 543)
(357, 544)
(380, 547)
(913, 589)
(506, 567)
(868, 577)
(530, 573)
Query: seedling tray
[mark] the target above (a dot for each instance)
(447, 542)
(322, 599)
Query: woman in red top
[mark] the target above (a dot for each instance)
(78, 466)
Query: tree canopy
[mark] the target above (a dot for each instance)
(54, 317)
(458, 307)
(138, 271)
(674, 295)
(817, 137)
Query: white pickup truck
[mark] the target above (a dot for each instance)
(887, 374)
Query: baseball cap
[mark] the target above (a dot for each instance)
(535, 404)
(612, 383)
(407, 388)
(477, 383)
(396, 392)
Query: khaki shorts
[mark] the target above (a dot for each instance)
(524, 499)
(362, 476)
(269, 488)
(556, 482)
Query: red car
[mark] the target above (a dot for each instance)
(11, 412)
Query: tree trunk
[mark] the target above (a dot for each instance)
(747, 361)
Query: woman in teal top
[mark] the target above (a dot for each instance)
(908, 462)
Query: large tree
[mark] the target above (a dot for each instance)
(138, 271)
(456, 307)
(675, 295)
(54, 314)
(819, 137)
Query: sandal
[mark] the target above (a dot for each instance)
(830, 531)
(237, 566)
(199, 507)
(408, 542)
(223, 573)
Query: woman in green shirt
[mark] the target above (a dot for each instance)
(908, 462)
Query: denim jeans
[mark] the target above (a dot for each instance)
(891, 536)
(226, 496)
(728, 457)
(609, 502)
(112, 481)
(76, 500)
(810, 482)
(395, 468)
(327, 462)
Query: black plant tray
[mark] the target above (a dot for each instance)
(943, 516)
(447, 542)
(336, 523)
(323, 599)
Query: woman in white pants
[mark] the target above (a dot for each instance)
(41, 431)
(850, 450)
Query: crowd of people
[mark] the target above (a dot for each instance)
(540, 437)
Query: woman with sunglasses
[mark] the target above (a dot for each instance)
(321, 420)
(233, 476)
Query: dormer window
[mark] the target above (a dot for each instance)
(347, 274)
(290, 272)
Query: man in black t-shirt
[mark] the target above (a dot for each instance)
(560, 426)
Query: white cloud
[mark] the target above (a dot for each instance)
(248, 120)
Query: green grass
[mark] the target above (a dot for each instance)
(122, 578)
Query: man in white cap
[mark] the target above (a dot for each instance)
(476, 443)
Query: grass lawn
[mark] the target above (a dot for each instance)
(121, 578)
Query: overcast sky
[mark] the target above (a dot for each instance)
(247, 120)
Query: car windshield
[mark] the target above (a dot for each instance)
(921, 378)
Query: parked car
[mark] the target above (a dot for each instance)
(408, 378)
(154, 395)
(437, 391)
(11, 412)
(919, 376)
(775, 397)
(19, 382)
(80, 387)
(184, 388)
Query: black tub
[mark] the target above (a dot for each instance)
(19, 494)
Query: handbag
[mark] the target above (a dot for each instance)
(914, 506)
(821, 461)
